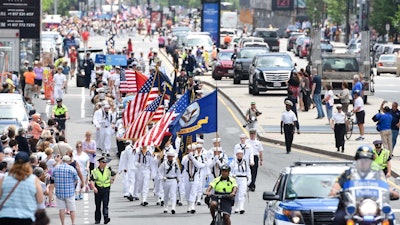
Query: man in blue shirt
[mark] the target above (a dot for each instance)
(357, 85)
(316, 93)
(384, 118)
(395, 121)
(65, 178)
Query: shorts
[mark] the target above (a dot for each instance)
(161, 45)
(66, 203)
(360, 116)
(226, 204)
(38, 82)
(73, 65)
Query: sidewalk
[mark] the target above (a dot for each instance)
(316, 136)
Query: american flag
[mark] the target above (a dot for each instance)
(155, 135)
(138, 127)
(134, 81)
(147, 93)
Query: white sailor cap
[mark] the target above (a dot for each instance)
(239, 151)
(199, 145)
(107, 106)
(288, 102)
(216, 140)
(171, 153)
(189, 147)
(217, 149)
(243, 136)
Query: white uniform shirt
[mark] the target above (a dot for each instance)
(248, 152)
(116, 78)
(240, 169)
(97, 118)
(143, 160)
(191, 166)
(169, 169)
(59, 79)
(106, 76)
(359, 102)
(256, 146)
(339, 117)
(288, 117)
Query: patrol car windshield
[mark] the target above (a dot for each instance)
(13, 112)
(309, 185)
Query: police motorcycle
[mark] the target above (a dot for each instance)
(366, 196)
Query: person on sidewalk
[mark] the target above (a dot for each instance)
(251, 116)
(339, 125)
(384, 122)
(382, 158)
(328, 102)
(101, 179)
(344, 97)
(65, 179)
(288, 125)
(316, 93)
(395, 122)
(358, 109)
(293, 99)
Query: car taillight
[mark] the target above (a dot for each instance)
(380, 64)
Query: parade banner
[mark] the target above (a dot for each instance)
(100, 59)
(116, 60)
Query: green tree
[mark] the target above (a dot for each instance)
(396, 20)
(382, 14)
(336, 10)
(315, 10)
(63, 6)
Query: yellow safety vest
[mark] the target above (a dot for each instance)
(382, 158)
(102, 180)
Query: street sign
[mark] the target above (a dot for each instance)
(387, 27)
(23, 15)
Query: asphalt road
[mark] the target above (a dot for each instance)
(230, 126)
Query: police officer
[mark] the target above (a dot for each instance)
(60, 114)
(171, 174)
(101, 179)
(190, 176)
(288, 125)
(339, 124)
(382, 158)
(241, 171)
(223, 184)
(257, 155)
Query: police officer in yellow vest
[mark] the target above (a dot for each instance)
(222, 185)
(382, 158)
(60, 114)
(101, 179)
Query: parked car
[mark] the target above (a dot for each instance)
(256, 44)
(298, 44)
(290, 29)
(243, 60)
(270, 36)
(223, 67)
(381, 49)
(249, 39)
(292, 40)
(394, 49)
(194, 40)
(326, 46)
(300, 194)
(270, 71)
(386, 64)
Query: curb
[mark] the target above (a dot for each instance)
(395, 174)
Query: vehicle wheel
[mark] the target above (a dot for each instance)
(250, 91)
(217, 78)
(255, 89)
(349, 130)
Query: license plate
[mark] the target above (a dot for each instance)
(277, 84)
(230, 71)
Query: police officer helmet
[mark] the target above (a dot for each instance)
(364, 152)
(225, 167)
(59, 100)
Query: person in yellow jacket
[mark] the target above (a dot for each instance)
(382, 158)
(101, 179)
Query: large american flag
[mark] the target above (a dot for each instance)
(155, 135)
(147, 93)
(134, 80)
(138, 127)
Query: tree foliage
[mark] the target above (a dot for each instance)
(63, 6)
(336, 10)
(396, 19)
(315, 10)
(382, 14)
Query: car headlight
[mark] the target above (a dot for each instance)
(294, 216)
(368, 207)
(217, 64)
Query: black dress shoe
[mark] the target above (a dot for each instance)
(157, 203)
(165, 211)
(192, 211)
(188, 211)
(108, 155)
(198, 203)
(107, 220)
(173, 211)
(241, 211)
(162, 203)
(145, 203)
(130, 198)
(135, 198)
(96, 222)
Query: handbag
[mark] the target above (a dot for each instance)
(9, 194)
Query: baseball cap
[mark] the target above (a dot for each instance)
(22, 157)
(104, 160)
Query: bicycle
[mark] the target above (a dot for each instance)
(349, 125)
(219, 217)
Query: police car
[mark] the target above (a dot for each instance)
(300, 195)
(13, 111)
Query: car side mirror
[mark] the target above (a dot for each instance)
(270, 196)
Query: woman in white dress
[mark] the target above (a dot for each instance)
(83, 160)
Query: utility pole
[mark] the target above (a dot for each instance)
(347, 21)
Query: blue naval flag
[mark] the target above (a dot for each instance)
(199, 117)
